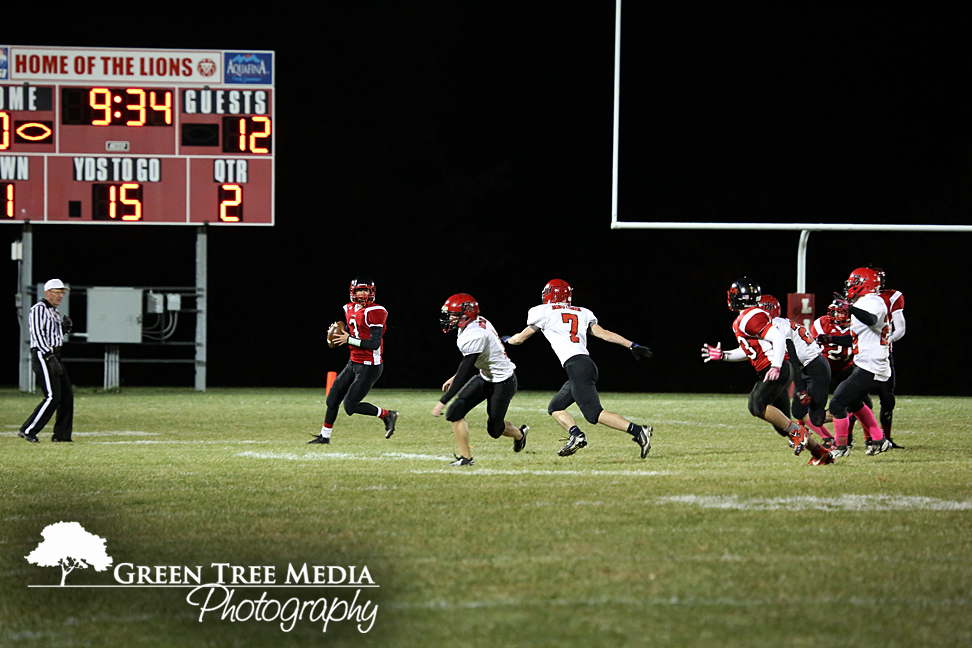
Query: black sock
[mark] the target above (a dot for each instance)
(574, 431)
(633, 429)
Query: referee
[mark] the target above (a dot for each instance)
(47, 329)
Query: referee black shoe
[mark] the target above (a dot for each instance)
(390, 419)
(320, 438)
(520, 443)
(30, 437)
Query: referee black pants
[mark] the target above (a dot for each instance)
(58, 398)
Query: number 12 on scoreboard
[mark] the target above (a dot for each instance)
(230, 203)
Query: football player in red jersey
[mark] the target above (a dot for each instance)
(764, 345)
(895, 302)
(870, 326)
(364, 336)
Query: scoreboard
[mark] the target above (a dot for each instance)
(164, 137)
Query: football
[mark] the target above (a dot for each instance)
(337, 328)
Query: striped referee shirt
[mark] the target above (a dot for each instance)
(45, 327)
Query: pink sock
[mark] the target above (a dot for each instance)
(821, 431)
(841, 428)
(871, 428)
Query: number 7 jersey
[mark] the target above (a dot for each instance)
(564, 326)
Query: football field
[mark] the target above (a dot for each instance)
(225, 528)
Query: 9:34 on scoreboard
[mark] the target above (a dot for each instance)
(104, 135)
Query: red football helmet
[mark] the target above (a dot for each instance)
(861, 282)
(457, 311)
(361, 282)
(742, 294)
(839, 315)
(557, 291)
(770, 304)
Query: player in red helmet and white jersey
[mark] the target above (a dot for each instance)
(764, 345)
(494, 382)
(895, 302)
(811, 376)
(365, 337)
(870, 327)
(566, 327)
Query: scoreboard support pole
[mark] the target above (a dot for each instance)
(25, 274)
(201, 307)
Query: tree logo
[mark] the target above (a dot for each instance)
(68, 546)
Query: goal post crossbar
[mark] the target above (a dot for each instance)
(798, 227)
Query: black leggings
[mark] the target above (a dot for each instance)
(351, 386)
(497, 397)
(580, 388)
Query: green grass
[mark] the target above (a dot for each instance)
(720, 538)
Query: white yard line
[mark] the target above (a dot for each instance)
(802, 503)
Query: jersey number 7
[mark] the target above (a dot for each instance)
(570, 318)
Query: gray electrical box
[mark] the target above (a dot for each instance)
(115, 315)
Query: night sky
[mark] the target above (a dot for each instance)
(467, 147)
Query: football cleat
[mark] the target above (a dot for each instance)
(821, 461)
(30, 437)
(390, 419)
(520, 443)
(800, 437)
(877, 447)
(643, 439)
(320, 438)
(893, 444)
(840, 451)
(54, 439)
(462, 461)
(574, 443)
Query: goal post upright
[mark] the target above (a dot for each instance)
(803, 228)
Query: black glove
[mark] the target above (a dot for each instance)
(66, 324)
(53, 364)
(823, 338)
(505, 339)
(639, 351)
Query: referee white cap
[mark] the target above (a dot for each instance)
(55, 284)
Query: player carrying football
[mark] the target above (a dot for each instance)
(495, 381)
(566, 327)
(365, 329)
(764, 345)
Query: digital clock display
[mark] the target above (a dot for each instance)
(117, 106)
(104, 135)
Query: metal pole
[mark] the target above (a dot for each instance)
(802, 262)
(201, 281)
(25, 299)
(617, 111)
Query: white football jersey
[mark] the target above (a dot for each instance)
(806, 347)
(564, 326)
(871, 342)
(480, 338)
